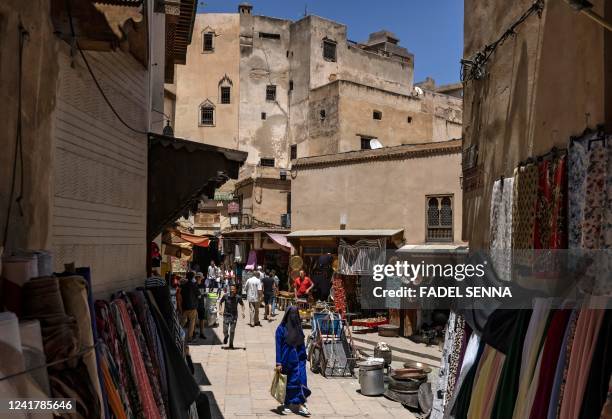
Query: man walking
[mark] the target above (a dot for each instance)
(268, 294)
(276, 289)
(254, 292)
(189, 292)
(230, 314)
(212, 276)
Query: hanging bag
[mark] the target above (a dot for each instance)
(278, 389)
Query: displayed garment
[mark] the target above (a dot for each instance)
(469, 358)
(524, 199)
(500, 222)
(550, 356)
(487, 378)
(561, 368)
(585, 339)
(182, 387)
(360, 258)
(534, 339)
(596, 390)
(576, 190)
(440, 392)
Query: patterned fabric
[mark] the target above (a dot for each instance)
(140, 324)
(453, 364)
(597, 222)
(500, 242)
(576, 189)
(523, 212)
(569, 344)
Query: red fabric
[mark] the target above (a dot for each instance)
(145, 390)
(302, 285)
(550, 356)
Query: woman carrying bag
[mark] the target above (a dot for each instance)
(291, 361)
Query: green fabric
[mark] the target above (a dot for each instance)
(507, 389)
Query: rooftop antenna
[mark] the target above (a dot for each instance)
(305, 9)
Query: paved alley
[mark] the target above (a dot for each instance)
(238, 381)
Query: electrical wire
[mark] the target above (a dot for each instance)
(475, 68)
(93, 76)
(23, 35)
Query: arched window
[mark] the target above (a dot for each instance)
(440, 218)
(225, 90)
(207, 113)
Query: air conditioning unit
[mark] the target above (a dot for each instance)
(286, 220)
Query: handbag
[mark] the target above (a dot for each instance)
(278, 389)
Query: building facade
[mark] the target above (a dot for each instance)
(282, 89)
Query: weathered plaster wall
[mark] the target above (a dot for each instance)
(198, 81)
(375, 194)
(353, 63)
(40, 73)
(265, 199)
(264, 62)
(543, 85)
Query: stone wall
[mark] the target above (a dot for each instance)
(199, 81)
(375, 194)
(40, 74)
(542, 86)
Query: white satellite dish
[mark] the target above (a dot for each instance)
(417, 91)
(374, 144)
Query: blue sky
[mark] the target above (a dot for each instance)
(431, 29)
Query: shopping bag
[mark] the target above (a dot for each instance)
(278, 389)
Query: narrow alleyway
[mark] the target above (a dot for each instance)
(238, 381)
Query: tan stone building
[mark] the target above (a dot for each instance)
(281, 89)
(412, 188)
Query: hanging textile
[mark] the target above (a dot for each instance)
(440, 393)
(596, 389)
(182, 387)
(360, 258)
(486, 381)
(523, 210)
(500, 241)
(597, 221)
(531, 350)
(587, 330)
(469, 358)
(550, 356)
(576, 189)
(141, 391)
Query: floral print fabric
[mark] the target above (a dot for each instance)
(500, 242)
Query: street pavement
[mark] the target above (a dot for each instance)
(237, 382)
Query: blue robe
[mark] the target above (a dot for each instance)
(293, 360)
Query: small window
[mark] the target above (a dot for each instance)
(266, 162)
(365, 143)
(225, 95)
(329, 50)
(266, 35)
(263, 115)
(208, 42)
(293, 152)
(287, 53)
(322, 114)
(207, 115)
(290, 85)
(409, 120)
(271, 93)
(377, 115)
(439, 218)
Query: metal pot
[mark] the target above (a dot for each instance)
(371, 377)
(388, 330)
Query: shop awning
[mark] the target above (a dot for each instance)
(281, 239)
(345, 233)
(434, 248)
(180, 174)
(196, 240)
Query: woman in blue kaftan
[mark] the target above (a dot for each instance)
(291, 360)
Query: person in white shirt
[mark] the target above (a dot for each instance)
(254, 291)
(211, 277)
